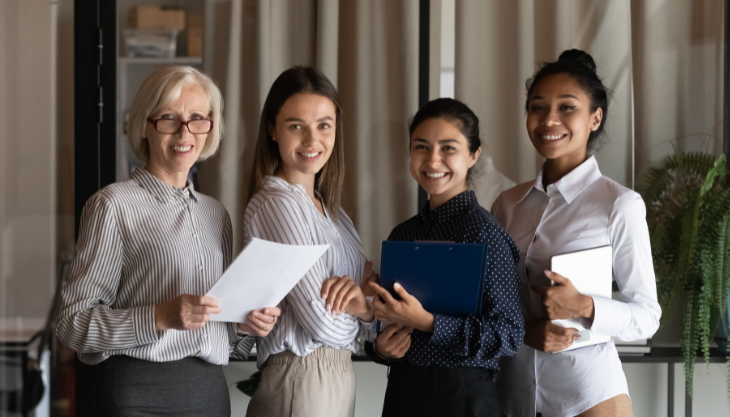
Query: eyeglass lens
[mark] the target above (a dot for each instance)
(173, 126)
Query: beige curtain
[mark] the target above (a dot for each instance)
(662, 60)
(368, 48)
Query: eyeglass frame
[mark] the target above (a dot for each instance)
(155, 121)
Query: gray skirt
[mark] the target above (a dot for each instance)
(129, 387)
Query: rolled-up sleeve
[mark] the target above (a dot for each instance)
(636, 314)
(87, 322)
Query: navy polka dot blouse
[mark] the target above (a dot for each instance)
(476, 341)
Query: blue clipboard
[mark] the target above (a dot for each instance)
(447, 278)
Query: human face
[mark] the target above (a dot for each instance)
(559, 119)
(173, 154)
(305, 132)
(440, 159)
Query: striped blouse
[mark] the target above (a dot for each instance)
(284, 213)
(143, 242)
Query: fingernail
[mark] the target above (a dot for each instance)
(548, 273)
(324, 296)
(396, 285)
(329, 307)
(256, 313)
(266, 311)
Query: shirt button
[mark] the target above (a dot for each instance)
(314, 302)
(200, 267)
(195, 235)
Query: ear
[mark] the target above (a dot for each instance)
(596, 119)
(271, 132)
(474, 157)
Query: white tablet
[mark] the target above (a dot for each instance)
(591, 272)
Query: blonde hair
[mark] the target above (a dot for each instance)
(160, 89)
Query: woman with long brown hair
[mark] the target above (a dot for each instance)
(294, 198)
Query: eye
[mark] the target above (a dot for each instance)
(448, 148)
(168, 116)
(324, 126)
(295, 127)
(419, 146)
(197, 116)
(536, 108)
(566, 107)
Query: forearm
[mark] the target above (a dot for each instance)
(101, 329)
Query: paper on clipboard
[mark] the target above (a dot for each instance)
(261, 276)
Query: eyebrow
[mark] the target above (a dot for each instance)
(440, 142)
(296, 119)
(560, 96)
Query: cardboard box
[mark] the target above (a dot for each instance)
(155, 17)
(195, 34)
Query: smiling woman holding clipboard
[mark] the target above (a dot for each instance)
(571, 207)
(446, 366)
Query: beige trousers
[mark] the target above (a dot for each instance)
(618, 406)
(319, 384)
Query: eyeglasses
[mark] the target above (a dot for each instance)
(197, 126)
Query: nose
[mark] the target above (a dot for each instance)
(434, 158)
(551, 118)
(184, 131)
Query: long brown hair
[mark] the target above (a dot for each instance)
(329, 180)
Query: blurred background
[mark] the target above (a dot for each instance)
(69, 71)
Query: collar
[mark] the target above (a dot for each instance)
(160, 190)
(571, 185)
(453, 208)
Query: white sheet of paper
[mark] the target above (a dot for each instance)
(261, 276)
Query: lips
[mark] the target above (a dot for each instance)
(552, 136)
(435, 174)
(181, 149)
(310, 156)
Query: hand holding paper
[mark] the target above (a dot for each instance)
(260, 277)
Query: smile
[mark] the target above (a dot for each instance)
(182, 148)
(435, 174)
(552, 137)
(310, 155)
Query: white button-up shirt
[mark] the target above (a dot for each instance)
(581, 211)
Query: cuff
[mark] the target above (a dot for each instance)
(610, 316)
(369, 329)
(143, 320)
(444, 329)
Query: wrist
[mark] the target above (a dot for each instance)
(425, 322)
(377, 352)
(159, 318)
(369, 315)
(588, 310)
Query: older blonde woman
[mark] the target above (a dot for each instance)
(149, 248)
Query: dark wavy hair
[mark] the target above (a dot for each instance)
(579, 65)
(457, 113)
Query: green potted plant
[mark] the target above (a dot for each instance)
(687, 197)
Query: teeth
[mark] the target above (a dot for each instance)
(310, 155)
(552, 137)
(182, 148)
(435, 174)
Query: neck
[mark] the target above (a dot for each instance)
(174, 178)
(293, 176)
(436, 201)
(555, 169)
